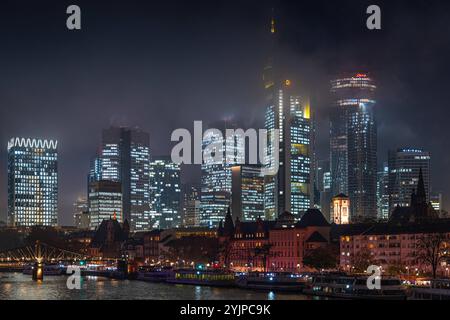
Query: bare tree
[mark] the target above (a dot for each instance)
(432, 249)
(225, 251)
(362, 260)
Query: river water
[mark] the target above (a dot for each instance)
(19, 286)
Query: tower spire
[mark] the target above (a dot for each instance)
(272, 23)
(421, 194)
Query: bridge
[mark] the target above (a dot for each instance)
(39, 254)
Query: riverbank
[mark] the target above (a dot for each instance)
(17, 286)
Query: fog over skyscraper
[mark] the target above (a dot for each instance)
(125, 158)
(353, 143)
(290, 113)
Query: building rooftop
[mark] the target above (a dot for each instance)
(312, 218)
(316, 237)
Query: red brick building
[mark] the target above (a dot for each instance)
(272, 245)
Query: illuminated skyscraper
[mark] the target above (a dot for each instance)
(216, 174)
(165, 186)
(404, 167)
(291, 188)
(353, 143)
(32, 182)
(191, 205)
(247, 192)
(105, 202)
(125, 158)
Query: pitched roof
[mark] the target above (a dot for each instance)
(312, 218)
(101, 234)
(252, 227)
(316, 237)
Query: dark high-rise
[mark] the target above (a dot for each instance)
(405, 164)
(353, 143)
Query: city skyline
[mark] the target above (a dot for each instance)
(401, 103)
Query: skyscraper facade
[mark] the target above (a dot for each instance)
(353, 143)
(32, 182)
(291, 188)
(323, 187)
(216, 173)
(405, 165)
(191, 205)
(165, 185)
(247, 192)
(125, 158)
(383, 193)
(105, 202)
(81, 219)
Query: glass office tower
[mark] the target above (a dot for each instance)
(247, 192)
(404, 168)
(291, 188)
(125, 158)
(165, 185)
(105, 202)
(216, 175)
(353, 143)
(32, 182)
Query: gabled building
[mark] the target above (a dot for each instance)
(278, 245)
(290, 241)
(395, 243)
(109, 238)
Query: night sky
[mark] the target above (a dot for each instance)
(160, 65)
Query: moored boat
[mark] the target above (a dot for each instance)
(286, 282)
(154, 274)
(49, 270)
(214, 277)
(438, 289)
(355, 287)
